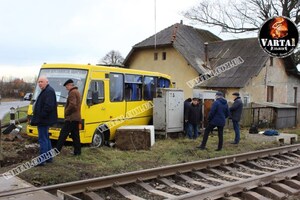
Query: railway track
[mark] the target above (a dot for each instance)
(266, 174)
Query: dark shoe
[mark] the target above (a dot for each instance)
(76, 154)
(218, 150)
(201, 148)
(49, 161)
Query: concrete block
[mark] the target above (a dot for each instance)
(142, 127)
(134, 137)
(282, 138)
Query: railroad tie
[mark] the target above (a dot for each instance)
(293, 183)
(295, 155)
(217, 172)
(235, 171)
(280, 160)
(262, 167)
(250, 169)
(274, 164)
(126, 193)
(270, 192)
(192, 181)
(284, 188)
(92, 196)
(63, 195)
(173, 185)
(254, 196)
(210, 178)
(290, 158)
(150, 189)
(231, 198)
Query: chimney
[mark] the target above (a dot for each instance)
(181, 22)
(206, 53)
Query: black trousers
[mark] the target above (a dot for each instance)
(209, 129)
(73, 128)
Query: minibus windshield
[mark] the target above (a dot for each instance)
(57, 78)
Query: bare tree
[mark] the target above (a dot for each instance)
(242, 16)
(239, 16)
(15, 87)
(113, 58)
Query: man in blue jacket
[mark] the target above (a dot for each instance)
(216, 118)
(44, 115)
(235, 114)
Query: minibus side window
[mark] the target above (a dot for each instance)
(116, 87)
(149, 87)
(96, 88)
(163, 83)
(133, 87)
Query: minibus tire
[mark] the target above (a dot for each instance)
(98, 139)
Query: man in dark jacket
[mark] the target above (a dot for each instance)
(44, 115)
(216, 118)
(236, 113)
(186, 104)
(72, 118)
(193, 117)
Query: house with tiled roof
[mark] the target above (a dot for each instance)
(177, 51)
(188, 54)
(257, 77)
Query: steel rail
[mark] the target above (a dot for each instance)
(242, 185)
(143, 175)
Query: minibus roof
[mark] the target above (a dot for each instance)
(107, 68)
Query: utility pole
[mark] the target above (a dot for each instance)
(1, 155)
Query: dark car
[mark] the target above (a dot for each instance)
(27, 97)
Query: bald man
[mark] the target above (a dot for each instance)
(44, 116)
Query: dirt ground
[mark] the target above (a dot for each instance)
(17, 150)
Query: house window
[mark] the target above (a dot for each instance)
(295, 94)
(164, 55)
(270, 93)
(174, 84)
(271, 61)
(155, 56)
(246, 100)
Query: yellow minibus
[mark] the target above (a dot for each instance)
(111, 97)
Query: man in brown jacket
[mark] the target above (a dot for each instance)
(72, 118)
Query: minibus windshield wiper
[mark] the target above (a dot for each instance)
(61, 96)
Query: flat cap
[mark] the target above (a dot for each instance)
(236, 94)
(219, 94)
(68, 81)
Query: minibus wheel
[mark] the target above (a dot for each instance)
(98, 139)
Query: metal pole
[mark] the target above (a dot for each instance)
(12, 115)
(1, 156)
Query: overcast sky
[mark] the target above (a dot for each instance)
(77, 31)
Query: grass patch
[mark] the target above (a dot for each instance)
(22, 112)
(95, 162)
